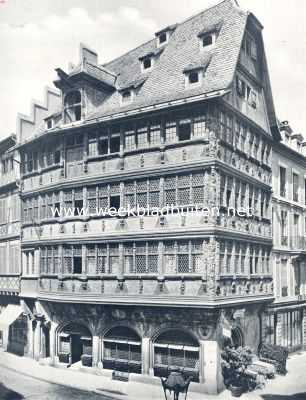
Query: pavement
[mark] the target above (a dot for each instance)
(16, 386)
(289, 387)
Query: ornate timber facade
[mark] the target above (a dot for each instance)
(185, 119)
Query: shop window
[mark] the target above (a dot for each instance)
(122, 350)
(176, 349)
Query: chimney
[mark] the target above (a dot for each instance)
(86, 53)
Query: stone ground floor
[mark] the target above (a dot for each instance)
(141, 344)
(138, 342)
(289, 387)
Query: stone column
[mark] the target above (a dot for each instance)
(95, 351)
(210, 366)
(37, 340)
(146, 367)
(30, 339)
(53, 342)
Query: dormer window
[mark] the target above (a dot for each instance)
(147, 63)
(207, 39)
(126, 96)
(49, 123)
(193, 77)
(72, 106)
(162, 38)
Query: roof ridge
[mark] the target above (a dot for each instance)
(178, 24)
(128, 52)
(206, 9)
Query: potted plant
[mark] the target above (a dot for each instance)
(237, 378)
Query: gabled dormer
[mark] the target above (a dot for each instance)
(163, 36)
(85, 86)
(208, 36)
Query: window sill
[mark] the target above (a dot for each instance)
(100, 157)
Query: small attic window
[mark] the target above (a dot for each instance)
(49, 123)
(193, 77)
(208, 39)
(147, 63)
(162, 38)
(126, 96)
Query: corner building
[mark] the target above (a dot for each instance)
(188, 119)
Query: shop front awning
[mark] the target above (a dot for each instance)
(9, 315)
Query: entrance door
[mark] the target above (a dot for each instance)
(76, 348)
(74, 161)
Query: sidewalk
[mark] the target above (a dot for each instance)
(280, 388)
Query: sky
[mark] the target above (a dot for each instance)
(37, 36)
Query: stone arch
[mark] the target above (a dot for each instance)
(124, 323)
(172, 327)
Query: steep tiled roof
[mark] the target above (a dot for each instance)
(165, 82)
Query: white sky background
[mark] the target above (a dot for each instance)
(37, 36)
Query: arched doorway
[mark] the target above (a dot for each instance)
(175, 348)
(122, 350)
(75, 341)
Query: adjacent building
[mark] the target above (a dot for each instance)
(13, 332)
(284, 322)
